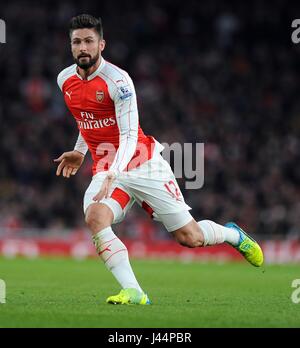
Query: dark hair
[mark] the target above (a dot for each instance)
(86, 21)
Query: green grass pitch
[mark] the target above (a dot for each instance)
(69, 293)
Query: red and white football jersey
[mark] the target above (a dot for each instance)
(105, 109)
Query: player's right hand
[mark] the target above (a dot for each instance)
(69, 163)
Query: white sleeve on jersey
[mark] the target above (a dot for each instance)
(81, 145)
(124, 97)
(65, 74)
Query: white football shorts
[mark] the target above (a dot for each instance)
(152, 185)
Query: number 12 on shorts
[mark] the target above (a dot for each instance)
(173, 189)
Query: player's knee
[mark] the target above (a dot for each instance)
(98, 216)
(189, 237)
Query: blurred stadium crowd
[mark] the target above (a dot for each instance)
(224, 75)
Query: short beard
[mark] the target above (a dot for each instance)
(89, 64)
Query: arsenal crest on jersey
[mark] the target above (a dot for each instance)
(99, 96)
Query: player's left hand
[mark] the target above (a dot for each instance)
(104, 191)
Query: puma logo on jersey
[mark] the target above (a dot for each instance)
(69, 94)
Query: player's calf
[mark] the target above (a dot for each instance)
(109, 247)
(114, 254)
(204, 233)
(189, 235)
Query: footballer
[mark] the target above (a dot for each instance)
(127, 164)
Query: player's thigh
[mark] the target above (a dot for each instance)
(119, 202)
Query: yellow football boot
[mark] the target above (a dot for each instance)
(129, 296)
(247, 246)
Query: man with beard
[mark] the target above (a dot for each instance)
(127, 164)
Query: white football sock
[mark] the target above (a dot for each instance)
(115, 256)
(217, 234)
